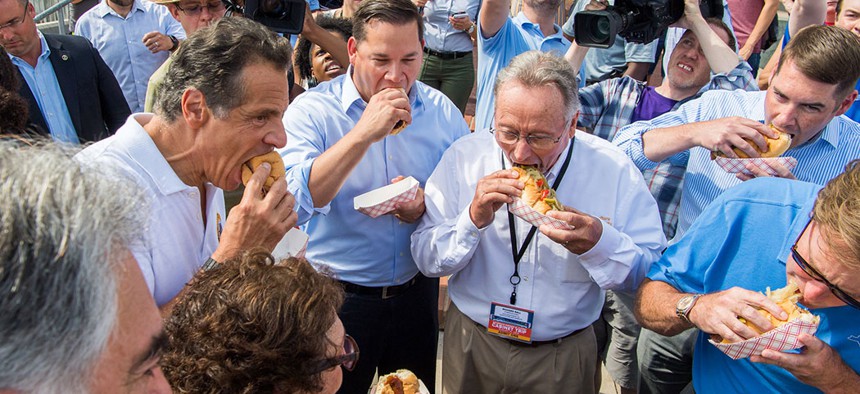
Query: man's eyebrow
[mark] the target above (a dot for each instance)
(157, 345)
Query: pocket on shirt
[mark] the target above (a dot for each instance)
(569, 270)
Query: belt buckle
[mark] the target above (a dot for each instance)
(385, 294)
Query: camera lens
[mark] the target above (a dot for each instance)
(602, 28)
(273, 8)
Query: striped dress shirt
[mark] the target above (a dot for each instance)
(819, 159)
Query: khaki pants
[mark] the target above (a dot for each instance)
(473, 361)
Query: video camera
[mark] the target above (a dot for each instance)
(282, 16)
(640, 21)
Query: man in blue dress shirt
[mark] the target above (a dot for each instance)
(340, 145)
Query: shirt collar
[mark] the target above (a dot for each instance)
(142, 149)
(526, 24)
(104, 10)
(350, 94)
(797, 226)
(46, 51)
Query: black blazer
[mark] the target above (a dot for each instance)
(92, 94)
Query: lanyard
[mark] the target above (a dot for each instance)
(518, 254)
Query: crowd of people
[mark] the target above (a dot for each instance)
(123, 269)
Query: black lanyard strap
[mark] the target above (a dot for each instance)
(518, 254)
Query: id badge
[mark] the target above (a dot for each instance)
(510, 322)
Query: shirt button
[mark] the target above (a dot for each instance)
(526, 278)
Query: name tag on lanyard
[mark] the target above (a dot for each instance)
(510, 322)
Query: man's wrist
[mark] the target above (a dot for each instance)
(471, 28)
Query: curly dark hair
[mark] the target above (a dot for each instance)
(251, 326)
(12, 106)
(303, 48)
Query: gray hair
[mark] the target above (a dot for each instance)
(212, 59)
(64, 228)
(535, 69)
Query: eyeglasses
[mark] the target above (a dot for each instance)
(195, 10)
(814, 274)
(535, 141)
(348, 359)
(15, 22)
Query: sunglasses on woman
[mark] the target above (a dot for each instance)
(347, 359)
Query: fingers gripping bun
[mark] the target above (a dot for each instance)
(401, 382)
(272, 158)
(775, 146)
(787, 298)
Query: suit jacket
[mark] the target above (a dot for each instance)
(92, 94)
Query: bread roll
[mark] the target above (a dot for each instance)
(537, 193)
(786, 298)
(401, 382)
(775, 146)
(272, 158)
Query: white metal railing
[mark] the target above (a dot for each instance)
(54, 15)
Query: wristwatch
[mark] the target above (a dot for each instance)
(175, 42)
(471, 29)
(685, 305)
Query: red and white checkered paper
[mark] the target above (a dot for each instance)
(527, 213)
(391, 202)
(735, 166)
(781, 338)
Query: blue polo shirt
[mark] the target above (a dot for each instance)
(743, 239)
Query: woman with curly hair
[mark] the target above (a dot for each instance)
(250, 325)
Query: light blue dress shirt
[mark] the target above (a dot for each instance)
(359, 249)
(46, 89)
(439, 34)
(818, 160)
(728, 246)
(518, 35)
(120, 43)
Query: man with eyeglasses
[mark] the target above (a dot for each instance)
(553, 280)
(192, 15)
(72, 95)
(134, 37)
(765, 233)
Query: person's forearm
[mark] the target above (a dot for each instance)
(762, 23)
(330, 170)
(721, 58)
(637, 71)
(659, 144)
(575, 55)
(655, 308)
(806, 13)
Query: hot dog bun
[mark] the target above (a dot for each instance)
(786, 298)
(537, 193)
(401, 382)
(400, 125)
(272, 158)
(775, 146)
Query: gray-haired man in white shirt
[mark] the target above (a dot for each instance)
(547, 301)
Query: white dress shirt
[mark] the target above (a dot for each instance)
(565, 290)
(176, 243)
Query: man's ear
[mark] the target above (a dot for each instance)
(174, 11)
(351, 49)
(846, 103)
(572, 129)
(194, 109)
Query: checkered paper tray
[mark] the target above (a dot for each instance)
(380, 201)
(735, 166)
(781, 338)
(294, 244)
(525, 212)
